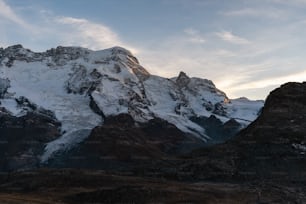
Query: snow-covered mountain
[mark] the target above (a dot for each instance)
(81, 88)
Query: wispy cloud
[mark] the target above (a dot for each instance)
(8, 13)
(85, 33)
(194, 36)
(272, 81)
(51, 30)
(258, 12)
(231, 38)
(292, 2)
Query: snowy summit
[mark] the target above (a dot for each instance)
(82, 87)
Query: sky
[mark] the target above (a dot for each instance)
(246, 47)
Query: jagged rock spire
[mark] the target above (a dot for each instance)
(182, 80)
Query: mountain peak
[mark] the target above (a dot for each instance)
(15, 50)
(17, 46)
(131, 61)
(182, 79)
(121, 50)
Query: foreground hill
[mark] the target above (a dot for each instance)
(80, 186)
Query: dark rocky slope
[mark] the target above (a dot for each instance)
(22, 139)
(271, 148)
(79, 186)
(122, 144)
(274, 145)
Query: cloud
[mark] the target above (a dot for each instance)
(271, 81)
(69, 31)
(49, 30)
(231, 38)
(257, 80)
(258, 12)
(9, 14)
(242, 12)
(291, 2)
(85, 33)
(194, 36)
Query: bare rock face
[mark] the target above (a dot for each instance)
(81, 82)
(22, 139)
(182, 80)
(4, 85)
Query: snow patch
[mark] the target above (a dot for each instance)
(300, 147)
